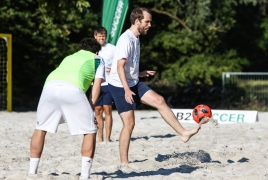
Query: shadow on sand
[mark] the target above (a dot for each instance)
(157, 136)
(161, 171)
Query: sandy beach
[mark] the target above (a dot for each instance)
(231, 151)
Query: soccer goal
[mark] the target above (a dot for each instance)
(247, 85)
(6, 72)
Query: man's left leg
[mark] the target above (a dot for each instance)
(98, 114)
(108, 121)
(36, 148)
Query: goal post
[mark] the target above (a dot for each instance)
(6, 75)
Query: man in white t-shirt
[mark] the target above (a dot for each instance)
(126, 88)
(105, 101)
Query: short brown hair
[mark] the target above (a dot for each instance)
(137, 13)
(100, 30)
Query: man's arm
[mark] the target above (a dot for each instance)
(108, 70)
(122, 75)
(99, 77)
(146, 73)
(95, 90)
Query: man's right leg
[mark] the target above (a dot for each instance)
(155, 100)
(126, 112)
(108, 121)
(36, 148)
(88, 146)
(88, 149)
(98, 113)
(128, 119)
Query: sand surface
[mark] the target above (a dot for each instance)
(231, 152)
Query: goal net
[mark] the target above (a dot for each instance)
(5, 72)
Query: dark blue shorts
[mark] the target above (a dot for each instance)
(118, 94)
(105, 97)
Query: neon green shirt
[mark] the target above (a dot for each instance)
(78, 68)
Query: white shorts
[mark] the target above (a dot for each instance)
(62, 102)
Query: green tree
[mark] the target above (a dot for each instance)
(188, 39)
(43, 33)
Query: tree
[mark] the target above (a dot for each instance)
(191, 41)
(188, 39)
(43, 33)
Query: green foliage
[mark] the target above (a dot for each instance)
(203, 68)
(47, 25)
(44, 32)
(190, 41)
(263, 40)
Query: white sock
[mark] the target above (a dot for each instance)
(34, 162)
(86, 166)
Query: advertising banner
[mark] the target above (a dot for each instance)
(223, 116)
(113, 18)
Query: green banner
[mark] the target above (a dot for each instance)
(113, 18)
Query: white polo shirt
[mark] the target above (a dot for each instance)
(107, 53)
(128, 47)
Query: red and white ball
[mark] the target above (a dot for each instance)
(201, 111)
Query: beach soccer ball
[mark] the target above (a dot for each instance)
(201, 111)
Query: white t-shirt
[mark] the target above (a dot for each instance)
(128, 46)
(107, 53)
(100, 71)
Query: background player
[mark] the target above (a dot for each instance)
(105, 101)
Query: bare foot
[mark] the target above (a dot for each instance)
(124, 160)
(124, 163)
(187, 134)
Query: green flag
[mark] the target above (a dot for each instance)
(113, 17)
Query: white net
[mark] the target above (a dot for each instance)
(3, 74)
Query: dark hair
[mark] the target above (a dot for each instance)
(89, 44)
(100, 30)
(137, 13)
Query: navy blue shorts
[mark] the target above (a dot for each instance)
(118, 94)
(105, 97)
